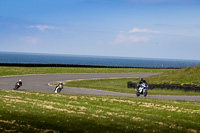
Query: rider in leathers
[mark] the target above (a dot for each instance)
(141, 82)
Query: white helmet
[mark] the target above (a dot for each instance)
(20, 80)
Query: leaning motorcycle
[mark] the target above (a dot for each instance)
(17, 85)
(58, 88)
(141, 90)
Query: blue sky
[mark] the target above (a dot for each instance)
(126, 28)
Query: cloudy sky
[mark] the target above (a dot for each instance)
(127, 28)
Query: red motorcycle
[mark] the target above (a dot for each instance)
(18, 84)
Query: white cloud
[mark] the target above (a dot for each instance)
(138, 38)
(42, 27)
(137, 30)
(127, 38)
(121, 38)
(30, 40)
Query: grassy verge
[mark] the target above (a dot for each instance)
(186, 75)
(53, 70)
(120, 85)
(189, 75)
(44, 112)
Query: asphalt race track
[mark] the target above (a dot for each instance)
(41, 83)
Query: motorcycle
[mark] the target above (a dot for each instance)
(17, 85)
(142, 89)
(58, 88)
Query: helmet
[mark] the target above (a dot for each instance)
(20, 80)
(141, 78)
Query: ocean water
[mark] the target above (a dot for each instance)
(13, 57)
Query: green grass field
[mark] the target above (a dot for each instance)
(187, 75)
(47, 112)
(5, 71)
(22, 111)
(120, 85)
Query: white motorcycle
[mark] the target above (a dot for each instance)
(141, 90)
(58, 88)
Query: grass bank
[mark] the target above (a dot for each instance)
(5, 71)
(120, 85)
(46, 112)
(189, 75)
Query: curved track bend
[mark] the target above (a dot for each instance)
(40, 83)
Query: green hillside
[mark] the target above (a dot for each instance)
(188, 75)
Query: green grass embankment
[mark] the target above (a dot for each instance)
(5, 71)
(189, 75)
(120, 85)
(46, 112)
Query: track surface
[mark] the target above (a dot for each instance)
(40, 83)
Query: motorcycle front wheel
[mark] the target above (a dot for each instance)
(145, 92)
(16, 88)
(58, 90)
(137, 93)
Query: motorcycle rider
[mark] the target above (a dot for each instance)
(142, 87)
(19, 83)
(141, 82)
(59, 84)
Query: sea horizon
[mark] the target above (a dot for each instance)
(52, 58)
(150, 58)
